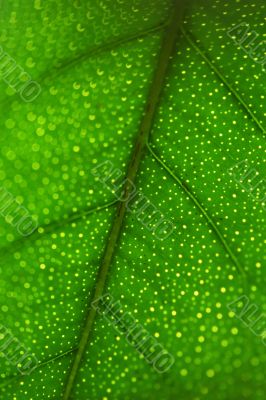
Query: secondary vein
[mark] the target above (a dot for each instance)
(223, 79)
(54, 225)
(114, 235)
(202, 210)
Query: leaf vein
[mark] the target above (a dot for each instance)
(223, 79)
(197, 203)
(134, 163)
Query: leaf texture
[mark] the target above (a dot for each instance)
(95, 62)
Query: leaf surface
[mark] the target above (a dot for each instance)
(95, 63)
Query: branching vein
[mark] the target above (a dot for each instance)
(223, 79)
(201, 209)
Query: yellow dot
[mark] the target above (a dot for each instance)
(183, 372)
(210, 373)
(198, 349)
(35, 166)
(40, 131)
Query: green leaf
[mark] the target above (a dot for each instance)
(176, 112)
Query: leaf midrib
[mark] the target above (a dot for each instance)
(142, 138)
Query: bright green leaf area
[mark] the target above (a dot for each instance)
(95, 61)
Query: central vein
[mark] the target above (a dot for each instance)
(142, 138)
